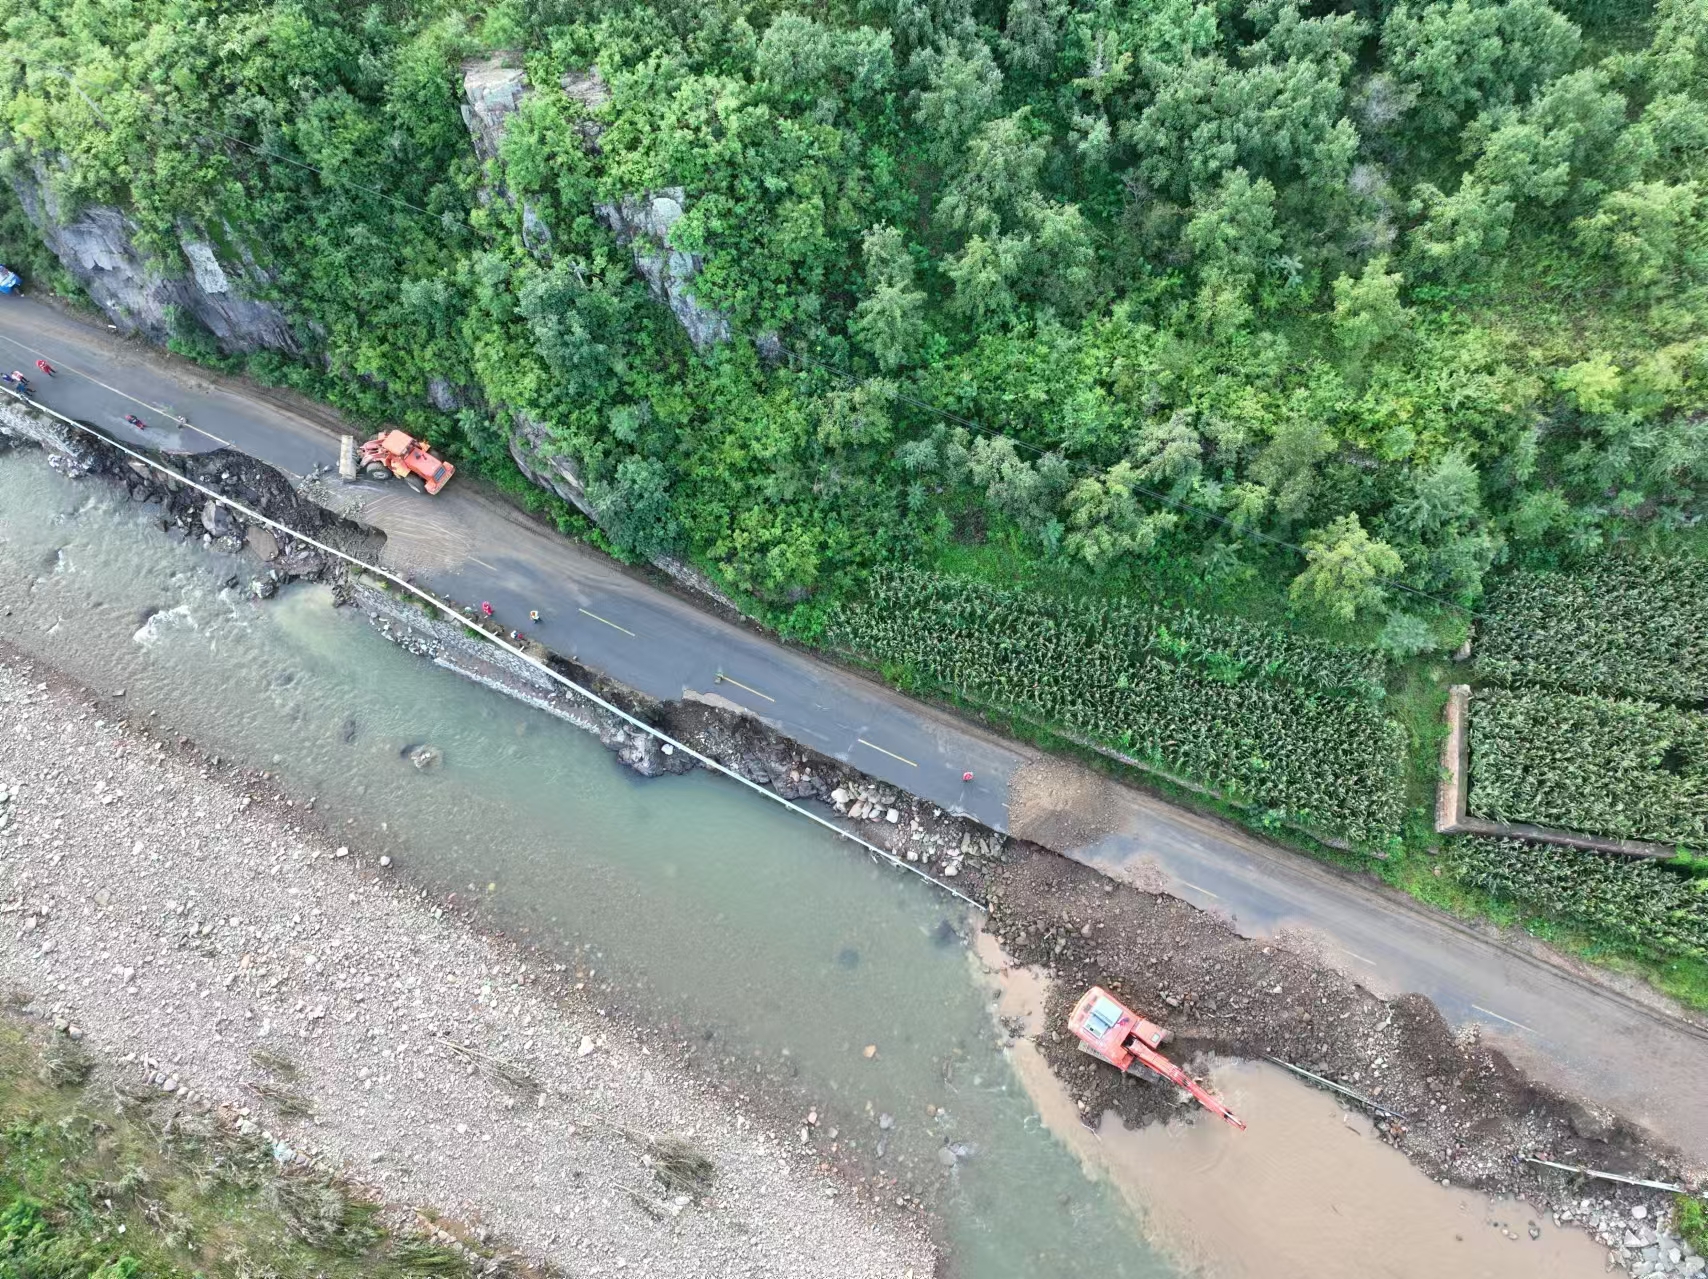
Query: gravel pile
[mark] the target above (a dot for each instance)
(213, 945)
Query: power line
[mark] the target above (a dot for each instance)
(1164, 498)
(321, 173)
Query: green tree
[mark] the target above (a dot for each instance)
(1368, 310)
(1105, 522)
(1344, 570)
(890, 320)
(1470, 55)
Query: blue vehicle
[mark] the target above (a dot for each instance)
(9, 281)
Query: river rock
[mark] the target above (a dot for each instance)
(263, 543)
(303, 563)
(426, 756)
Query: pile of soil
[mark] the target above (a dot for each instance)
(1059, 805)
(1469, 1114)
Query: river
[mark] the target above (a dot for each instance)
(765, 935)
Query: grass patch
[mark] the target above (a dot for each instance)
(148, 1187)
(1691, 1220)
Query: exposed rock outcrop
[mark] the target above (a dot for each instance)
(544, 464)
(643, 224)
(139, 293)
(492, 93)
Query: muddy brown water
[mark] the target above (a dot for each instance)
(767, 935)
(1307, 1189)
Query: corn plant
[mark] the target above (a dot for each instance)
(1627, 624)
(1652, 905)
(1274, 721)
(1634, 770)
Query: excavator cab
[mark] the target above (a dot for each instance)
(1110, 1031)
(1106, 1026)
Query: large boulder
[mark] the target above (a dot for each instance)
(97, 245)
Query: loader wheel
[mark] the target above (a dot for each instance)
(379, 473)
(416, 483)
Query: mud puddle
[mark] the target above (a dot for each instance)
(1308, 1189)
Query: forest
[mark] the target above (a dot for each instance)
(1331, 308)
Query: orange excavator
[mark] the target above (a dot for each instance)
(1112, 1032)
(401, 454)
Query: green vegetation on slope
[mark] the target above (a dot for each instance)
(1413, 285)
(154, 1188)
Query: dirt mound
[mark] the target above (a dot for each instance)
(1061, 805)
(1469, 1113)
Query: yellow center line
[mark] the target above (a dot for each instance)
(882, 751)
(725, 679)
(61, 367)
(625, 630)
(1509, 1021)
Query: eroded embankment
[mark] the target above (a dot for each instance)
(1469, 1114)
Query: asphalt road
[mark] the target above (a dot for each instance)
(1574, 1030)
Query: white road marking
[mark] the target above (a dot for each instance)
(124, 395)
(904, 759)
(625, 630)
(1196, 889)
(726, 679)
(1509, 1021)
(483, 563)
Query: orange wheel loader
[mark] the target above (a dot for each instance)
(401, 454)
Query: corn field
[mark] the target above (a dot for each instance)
(1274, 721)
(1655, 906)
(1634, 770)
(1629, 624)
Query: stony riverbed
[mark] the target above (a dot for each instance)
(187, 933)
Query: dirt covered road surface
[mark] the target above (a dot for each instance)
(218, 947)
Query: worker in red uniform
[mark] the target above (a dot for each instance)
(45, 367)
(485, 609)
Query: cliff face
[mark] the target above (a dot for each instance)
(493, 93)
(642, 223)
(138, 293)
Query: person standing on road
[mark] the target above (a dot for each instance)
(135, 421)
(45, 367)
(485, 609)
(966, 777)
(534, 616)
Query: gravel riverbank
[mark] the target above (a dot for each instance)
(196, 938)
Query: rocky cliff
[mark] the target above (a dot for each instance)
(97, 245)
(642, 224)
(493, 92)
